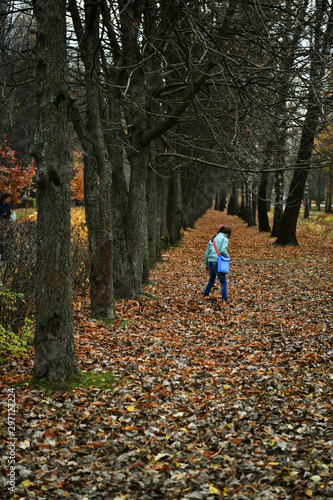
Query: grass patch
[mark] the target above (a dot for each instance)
(84, 379)
(118, 320)
(149, 296)
(328, 219)
(126, 321)
(107, 322)
(24, 212)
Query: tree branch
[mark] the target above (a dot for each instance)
(196, 85)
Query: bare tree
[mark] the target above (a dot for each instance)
(54, 338)
(17, 77)
(320, 47)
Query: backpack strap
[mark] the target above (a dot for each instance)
(215, 248)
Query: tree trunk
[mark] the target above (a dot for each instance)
(174, 207)
(287, 232)
(329, 191)
(154, 219)
(222, 200)
(254, 207)
(307, 202)
(319, 189)
(91, 210)
(262, 193)
(242, 208)
(262, 204)
(251, 202)
(137, 222)
(102, 293)
(154, 82)
(99, 214)
(122, 268)
(233, 206)
(163, 185)
(191, 197)
(54, 339)
(278, 203)
(217, 199)
(320, 56)
(157, 196)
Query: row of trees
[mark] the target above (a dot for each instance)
(195, 98)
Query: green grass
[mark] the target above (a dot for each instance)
(328, 219)
(149, 296)
(84, 379)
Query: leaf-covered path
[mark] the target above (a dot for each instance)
(213, 400)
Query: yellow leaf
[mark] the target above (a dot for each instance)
(213, 490)
(130, 408)
(26, 483)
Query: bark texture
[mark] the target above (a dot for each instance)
(54, 338)
(262, 204)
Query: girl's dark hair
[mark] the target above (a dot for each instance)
(223, 229)
(4, 196)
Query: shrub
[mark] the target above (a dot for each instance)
(18, 343)
(14, 338)
(18, 272)
(9, 305)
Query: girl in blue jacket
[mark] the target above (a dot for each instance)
(221, 240)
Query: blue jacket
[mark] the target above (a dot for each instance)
(221, 242)
(4, 210)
